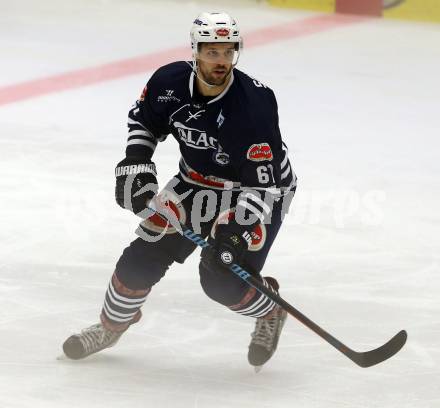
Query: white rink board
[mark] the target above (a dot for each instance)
(359, 254)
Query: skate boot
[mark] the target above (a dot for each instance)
(265, 337)
(90, 341)
(267, 332)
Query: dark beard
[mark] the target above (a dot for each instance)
(213, 81)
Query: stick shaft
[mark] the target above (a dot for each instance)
(365, 359)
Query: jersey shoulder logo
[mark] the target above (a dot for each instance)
(259, 152)
(169, 97)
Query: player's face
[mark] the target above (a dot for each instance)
(215, 62)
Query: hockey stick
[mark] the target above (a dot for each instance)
(362, 359)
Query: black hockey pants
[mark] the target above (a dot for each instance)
(145, 261)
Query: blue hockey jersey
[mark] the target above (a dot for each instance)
(231, 141)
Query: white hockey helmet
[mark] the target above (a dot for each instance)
(215, 27)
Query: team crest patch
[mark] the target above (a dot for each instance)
(220, 157)
(259, 152)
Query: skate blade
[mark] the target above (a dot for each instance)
(62, 357)
(257, 369)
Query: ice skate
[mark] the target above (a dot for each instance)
(265, 337)
(91, 340)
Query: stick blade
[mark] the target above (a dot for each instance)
(376, 356)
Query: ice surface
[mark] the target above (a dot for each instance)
(359, 107)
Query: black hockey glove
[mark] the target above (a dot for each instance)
(136, 183)
(230, 246)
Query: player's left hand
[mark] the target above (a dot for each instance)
(230, 246)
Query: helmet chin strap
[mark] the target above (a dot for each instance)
(211, 86)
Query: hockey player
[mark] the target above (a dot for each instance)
(234, 185)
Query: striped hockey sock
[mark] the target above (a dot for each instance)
(122, 305)
(256, 304)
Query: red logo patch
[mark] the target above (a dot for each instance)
(258, 234)
(259, 152)
(258, 237)
(222, 32)
(166, 202)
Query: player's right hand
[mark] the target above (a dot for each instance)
(229, 247)
(136, 183)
